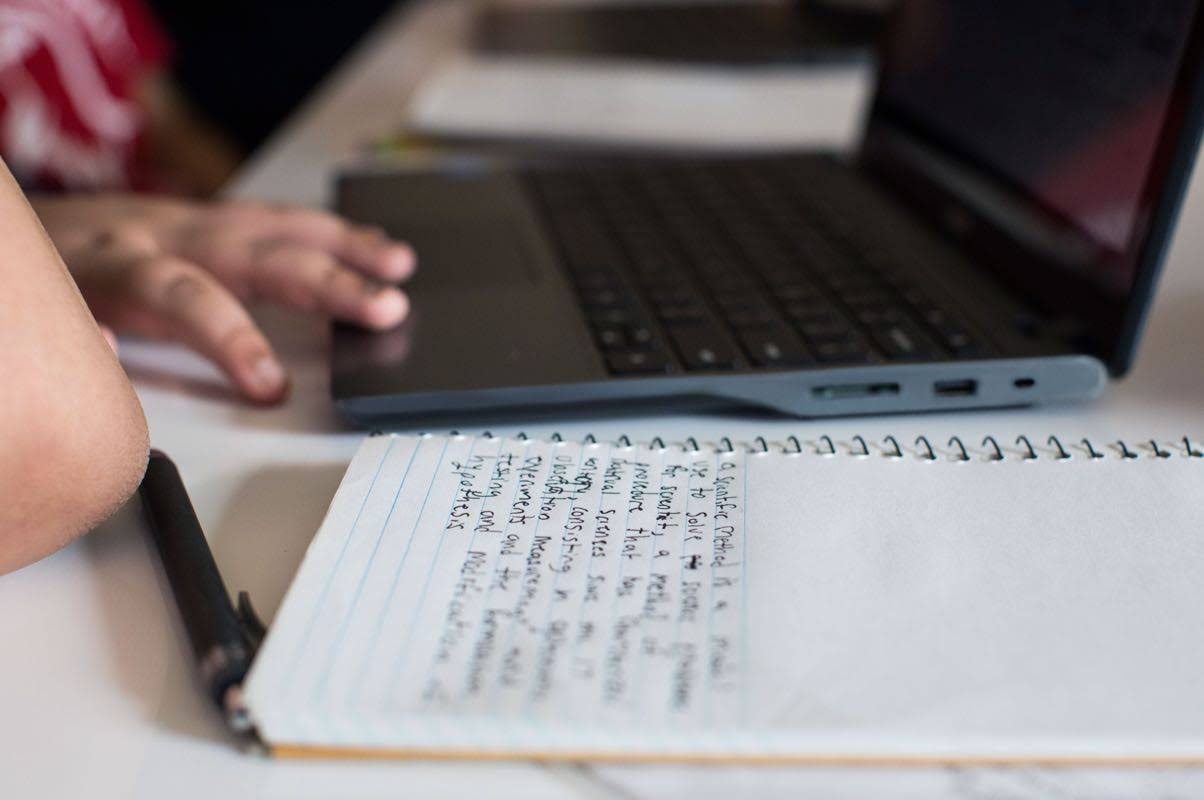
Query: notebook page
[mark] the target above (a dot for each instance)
(560, 599)
(1045, 607)
(514, 595)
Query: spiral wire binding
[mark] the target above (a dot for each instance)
(896, 451)
(1030, 454)
(1056, 442)
(859, 447)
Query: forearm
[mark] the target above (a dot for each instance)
(74, 437)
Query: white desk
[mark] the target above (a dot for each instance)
(97, 695)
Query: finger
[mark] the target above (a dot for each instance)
(366, 249)
(192, 307)
(372, 251)
(312, 279)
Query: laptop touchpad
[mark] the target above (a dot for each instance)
(469, 252)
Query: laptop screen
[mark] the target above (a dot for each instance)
(1046, 119)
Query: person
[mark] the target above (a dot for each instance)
(85, 257)
(75, 441)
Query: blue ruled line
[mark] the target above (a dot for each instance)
(342, 552)
(380, 621)
(359, 589)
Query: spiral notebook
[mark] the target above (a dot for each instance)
(821, 601)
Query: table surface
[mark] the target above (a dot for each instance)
(97, 693)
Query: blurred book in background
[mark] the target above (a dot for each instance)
(644, 105)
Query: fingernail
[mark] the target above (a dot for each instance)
(399, 259)
(386, 308)
(267, 375)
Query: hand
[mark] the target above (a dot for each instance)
(181, 270)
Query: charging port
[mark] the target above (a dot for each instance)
(844, 391)
(1024, 383)
(962, 388)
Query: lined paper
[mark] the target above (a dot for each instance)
(577, 585)
(505, 597)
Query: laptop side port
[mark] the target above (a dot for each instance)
(844, 391)
(959, 388)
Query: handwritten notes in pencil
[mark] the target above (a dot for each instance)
(565, 583)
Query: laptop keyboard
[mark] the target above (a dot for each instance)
(727, 266)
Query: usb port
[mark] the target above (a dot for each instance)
(962, 388)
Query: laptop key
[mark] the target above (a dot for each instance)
(833, 329)
(702, 347)
(849, 351)
(611, 316)
(611, 338)
(602, 299)
(674, 297)
(865, 297)
(741, 301)
(682, 315)
(796, 292)
(753, 318)
(637, 362)
(775, 347)
(904, 341)
(817, 310)
(728, 282)
(962, 343)
(641, 336)
(595, 280)
(880, 316)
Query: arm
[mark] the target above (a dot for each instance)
(73, 438)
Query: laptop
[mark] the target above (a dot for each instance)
(993, 242)
(744, 33)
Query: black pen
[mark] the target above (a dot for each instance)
(222, 647)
